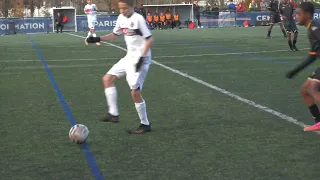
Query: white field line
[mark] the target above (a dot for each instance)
(58, 66)
(160, 57)
(223, 91)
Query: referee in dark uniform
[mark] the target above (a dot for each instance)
(275, 17)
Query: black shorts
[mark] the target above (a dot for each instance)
(274, 17)
(315, 74)
(290, 26)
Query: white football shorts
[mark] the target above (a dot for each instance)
(126, 67)
(91, 25)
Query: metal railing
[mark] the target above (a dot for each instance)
(226, 18)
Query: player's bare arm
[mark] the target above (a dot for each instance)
(147, 46)
(108, 37)
(305, 17)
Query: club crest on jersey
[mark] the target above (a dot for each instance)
(132, 24)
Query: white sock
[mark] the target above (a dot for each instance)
(111, 95)
(89, 34)
(142, 112)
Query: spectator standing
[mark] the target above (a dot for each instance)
(140, 10)
(215, 10)
(241, 7)
(294, 5)
(253, 6)
(231, 6)
(196, 11)
(264, 5)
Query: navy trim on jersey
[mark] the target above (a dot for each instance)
(148, 37)
(138, 32)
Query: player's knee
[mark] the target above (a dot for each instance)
(136, 95)
(310, 91)
(108, 80)
(304, 89)
(313, 88)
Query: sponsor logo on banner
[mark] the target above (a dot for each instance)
(263, 18)
(25, 26)
(106, 23)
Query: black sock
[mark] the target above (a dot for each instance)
(284, 32)
(315, 112)
(290, 43)
(269, 32)
(294, 42)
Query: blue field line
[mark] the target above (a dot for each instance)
(257, 57)
(85, 147)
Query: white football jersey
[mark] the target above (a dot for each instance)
(91, 11)
(135, 32)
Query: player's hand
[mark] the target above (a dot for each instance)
(93, 39)
(290, 74)
(139, 64)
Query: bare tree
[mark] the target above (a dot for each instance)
(31, 6)
(108, 3)
(5, 5)
(38, 4)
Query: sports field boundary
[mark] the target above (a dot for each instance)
(221, 90)
(156, 57)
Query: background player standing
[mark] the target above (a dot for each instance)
(134, 65)
(286, 10)
(91, 10)
(59, 22)
(275, 17)
(310, 88)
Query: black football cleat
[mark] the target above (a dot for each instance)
(141, 129)
(291, 48)
(295, 48)
(110, 118)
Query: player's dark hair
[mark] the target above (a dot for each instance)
(129, 2)
(307, 7)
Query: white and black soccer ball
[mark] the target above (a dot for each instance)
(79, 133)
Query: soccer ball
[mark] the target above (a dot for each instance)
(79, 133)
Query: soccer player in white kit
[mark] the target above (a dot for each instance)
(134, 65)
(91, 10)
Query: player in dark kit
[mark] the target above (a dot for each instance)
(311, 87)
(286, 11)
(275, 17)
